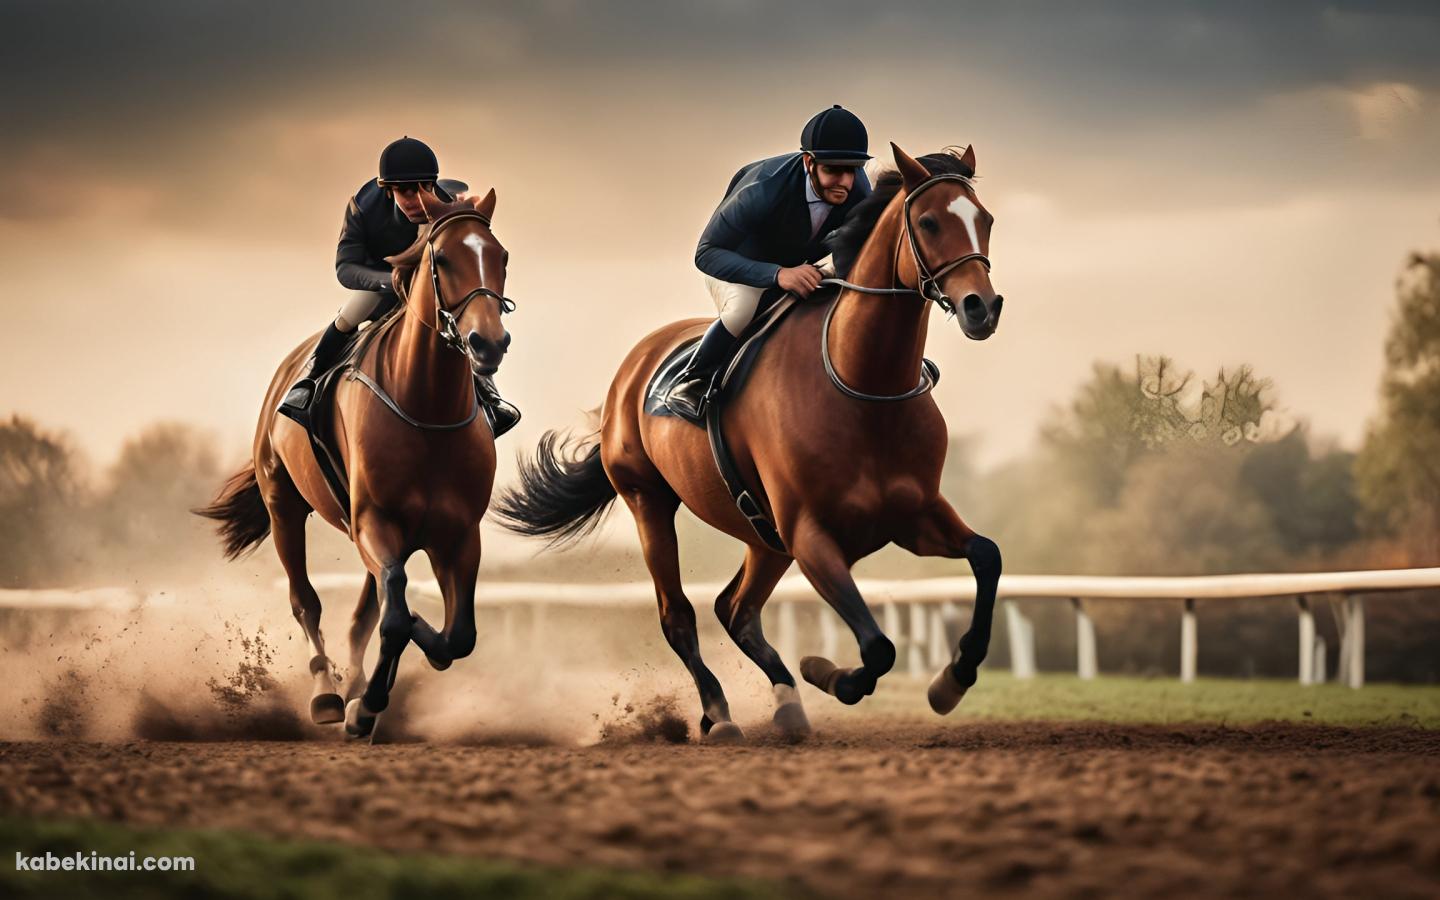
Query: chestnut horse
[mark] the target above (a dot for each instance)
(844, 472)
(420, 461)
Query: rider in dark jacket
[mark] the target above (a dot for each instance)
(383, 219)
(768, 232)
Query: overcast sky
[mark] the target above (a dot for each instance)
(1221, 182)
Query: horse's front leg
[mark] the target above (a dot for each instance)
(456, 566)
(829, 572)
(381, 544)
(941, 532)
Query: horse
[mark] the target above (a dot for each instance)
(420, 462)
(841, 472)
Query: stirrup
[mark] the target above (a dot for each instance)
(296, 402)
(682, 407)
(502, 414)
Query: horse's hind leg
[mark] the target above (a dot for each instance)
(941, 532)
(287, 525)
(738, 608)
(655, 517)
(829, 572)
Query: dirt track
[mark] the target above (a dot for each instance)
(904, 809)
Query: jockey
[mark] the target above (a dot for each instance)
(768, 232)
(383, 219)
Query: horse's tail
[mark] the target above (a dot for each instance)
(243, 519)
(563, 493)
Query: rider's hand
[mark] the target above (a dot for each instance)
(800, 280)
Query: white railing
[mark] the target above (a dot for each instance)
(922, 616)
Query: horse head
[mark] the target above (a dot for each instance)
(458, 285)
(949, 239)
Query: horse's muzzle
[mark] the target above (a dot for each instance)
(485, 354)
(979, 319)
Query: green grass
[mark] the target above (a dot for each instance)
(237, 865)
(998, 695)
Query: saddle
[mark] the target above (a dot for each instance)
(727, 384)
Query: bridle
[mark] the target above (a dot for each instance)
(447, 323)
(928, 288)
(929, 282)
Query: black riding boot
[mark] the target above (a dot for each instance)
(687, 397)
(503, 415)
(327, 351)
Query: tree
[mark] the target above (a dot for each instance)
(41, 491)
(1398, 469)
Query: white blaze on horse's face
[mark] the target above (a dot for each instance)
(966, 210)
(476, 243)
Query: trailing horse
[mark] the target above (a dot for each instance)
(840, 471)
(419, 461)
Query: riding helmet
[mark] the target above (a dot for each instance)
(407, 160)
(836, 136)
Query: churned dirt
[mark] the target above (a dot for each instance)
(887, 808)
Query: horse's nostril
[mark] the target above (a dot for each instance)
(974, 307)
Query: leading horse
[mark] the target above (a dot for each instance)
(842, 472)
(420, 461)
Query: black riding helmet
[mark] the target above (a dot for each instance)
(407, 161)
(836, 136)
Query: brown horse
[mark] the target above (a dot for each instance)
(420, 461)
(842, 472)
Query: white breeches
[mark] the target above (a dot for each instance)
(737, 303)
(358, 308)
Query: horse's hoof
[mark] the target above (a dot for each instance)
(358, 722)
(438, 665)
(819, 671)
(327, 709)
(792, 722)
(725, 733)
(854, 685)
(945, 691)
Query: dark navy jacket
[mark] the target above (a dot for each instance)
(374, 229)
(763, 224)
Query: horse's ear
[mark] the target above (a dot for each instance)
(968, 158)
(486, 205)
(911, 171)
(430, 207)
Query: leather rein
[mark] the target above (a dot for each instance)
(929, 289)
(446, 325)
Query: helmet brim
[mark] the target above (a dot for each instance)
(839, 157)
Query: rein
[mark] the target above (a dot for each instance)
(928, 289)
(446, 326)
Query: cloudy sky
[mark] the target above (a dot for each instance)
(1221, 182)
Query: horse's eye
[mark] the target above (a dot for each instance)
(928, 224)
(440, 259)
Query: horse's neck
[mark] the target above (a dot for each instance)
(877, 341)
(429, 380)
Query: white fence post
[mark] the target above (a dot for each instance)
(915, 645)
(788, 637)
(1307, 641)
(1189, 643)
(829, 632)
(1087, 664)
(1022, 641)
(1320, 671)
(1355, 631)
(939, 635)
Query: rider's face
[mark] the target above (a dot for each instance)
(832, 183)
(407, 197)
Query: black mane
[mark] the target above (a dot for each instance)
(845, 242)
